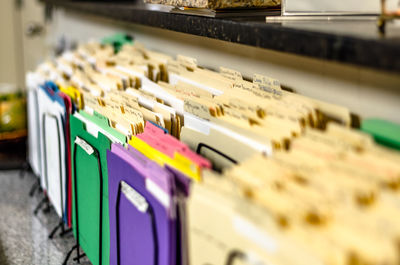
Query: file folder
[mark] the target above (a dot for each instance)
(182, 191)
(142, 212)
(75, 96)
(101, 123)
(182, 184)
(222, 146)
(158, 126)
(34, 152)
(33, 80)
(169, 145)
(178, 161)
(90, 189)
(384, 132)
(117, 40)
(69, 106)
(52, 113)
(225, 228)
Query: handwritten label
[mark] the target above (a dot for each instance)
(197, 109)
(84, 145)
(136, 113)
(234, 114)
(134, 197)
(241, 105)
(184, 88)
(230, 74)
(148, 95)
(100, 117)
(268, 85)
(267, 81)
(252, 88)
(89, 100)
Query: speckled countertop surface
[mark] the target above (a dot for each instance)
(357, 43)
(23, 236)
(217, 4)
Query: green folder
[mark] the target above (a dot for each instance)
(90, 215)
(102, 122)
(384, 132)
(117, 40)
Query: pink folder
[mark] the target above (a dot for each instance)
(168, 144)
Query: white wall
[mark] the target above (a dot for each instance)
(9, 44)
(366, 92)
(340, 6)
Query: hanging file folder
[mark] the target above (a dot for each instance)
(74, 94)
(141, 200)
(69, 107)
(52, 112)
(166, 142)
(384, 132)
(223, 146)
(224, 228)
(90, 192)
(34, 132)
(178, 161)
(34, 140)
(182, 191)
(100, 123)
(117, 40)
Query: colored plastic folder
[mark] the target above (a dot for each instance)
(158, 126)
(74, 94)
(142, 210)
(90, 188)
(52, 116)
(182, 191)
(384, 132)
(102, 122)
(117, 40)
(171, 145)
(178, 162)
(69, 107)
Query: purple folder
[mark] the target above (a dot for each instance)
(182, 190)
(182, 181)
(142, 210)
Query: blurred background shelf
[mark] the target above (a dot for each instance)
(356, 43)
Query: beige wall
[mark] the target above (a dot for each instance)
(367, 92)
(9, 43)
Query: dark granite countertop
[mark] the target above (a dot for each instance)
(355, 42)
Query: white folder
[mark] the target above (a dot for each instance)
(221, 145)
(34, 151)
(53, 155)
(161, 93)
